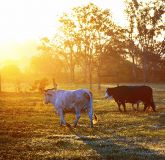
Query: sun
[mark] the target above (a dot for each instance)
(22, 21)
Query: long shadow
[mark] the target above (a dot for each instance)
(106, 148)
(161, 119)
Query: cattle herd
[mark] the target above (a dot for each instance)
(82, 100)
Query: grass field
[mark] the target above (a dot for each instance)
(30, 130)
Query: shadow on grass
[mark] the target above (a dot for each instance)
(162, 119)
(116, 148)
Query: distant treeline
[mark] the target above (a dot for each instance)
(90, 48)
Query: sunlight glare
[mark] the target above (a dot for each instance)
(22, 21)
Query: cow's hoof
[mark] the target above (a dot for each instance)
(68, 125)
(74, 124)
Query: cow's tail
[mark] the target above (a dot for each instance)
(95, 118)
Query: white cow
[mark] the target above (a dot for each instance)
(71, 100)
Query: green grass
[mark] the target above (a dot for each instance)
(31, 130)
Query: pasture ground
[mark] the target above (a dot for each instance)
(30, 130)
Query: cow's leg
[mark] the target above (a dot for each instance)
(145, 107)
(133, 107)
(90, 114)
(124, 107)
(118, 103)
(153, 106)
(137, 107)
(77, 118)
(62, 120)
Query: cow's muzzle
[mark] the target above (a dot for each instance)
(107, 96)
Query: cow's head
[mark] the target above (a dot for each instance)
(48, 95)
(108, 93)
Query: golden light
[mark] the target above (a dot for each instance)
(23, 22)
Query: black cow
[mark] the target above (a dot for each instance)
(131, 94)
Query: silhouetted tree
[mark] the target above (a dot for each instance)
(148, 20)
(12, 74)
(69, 51)
(88, 30)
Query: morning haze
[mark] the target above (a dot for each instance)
(99, 68)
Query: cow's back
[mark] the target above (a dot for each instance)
(72, 98)
(133, 93)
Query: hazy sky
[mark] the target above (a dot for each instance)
(23, 22)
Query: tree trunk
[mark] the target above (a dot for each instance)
(144, 67)
(71, 65)
(72, 76)
(90, 76)
(85, 73)
(90, 69)
(133, 69)
(99, 79)
(86, 67)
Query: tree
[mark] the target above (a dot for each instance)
(131, 46)
(12, 74)
(94, 24)
(48, 58)
(88, 31)
(148, 20)
(68, 47)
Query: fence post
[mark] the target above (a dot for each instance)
(54, 83)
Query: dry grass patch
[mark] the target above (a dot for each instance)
(30, 130)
